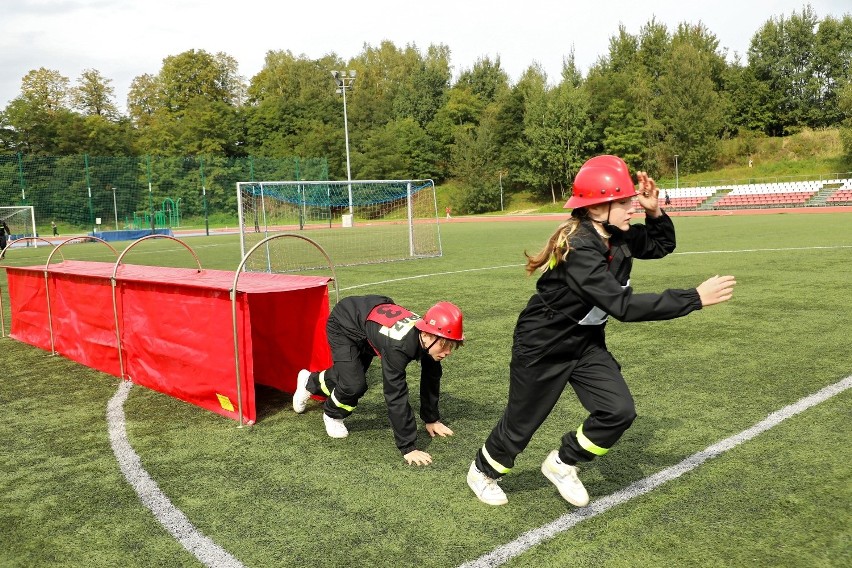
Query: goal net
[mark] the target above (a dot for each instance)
(358, 222)
(21, 222)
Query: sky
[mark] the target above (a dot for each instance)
(123, 39)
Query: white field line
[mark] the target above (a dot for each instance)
(430, 275)
(212, 555)
(833, 247)
(533, 537)
(173, 520)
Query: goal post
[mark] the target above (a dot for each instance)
(357, 222)
(21, 222)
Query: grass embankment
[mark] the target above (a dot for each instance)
(810, 154)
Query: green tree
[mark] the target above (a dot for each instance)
(844, 103)
(93, 95)
(425, 93)
(832, 68)
(383, 71)
(401, 149)
(473, 161)
(690, 110)
(191, 107)
(32, 121)
(786, 56)
(624, 136)
(45, 90)
(747, 101)
(539, 146)
(487, 80)
(198, 75)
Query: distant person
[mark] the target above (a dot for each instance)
(750, 163)
(448, 211)
(4, 232)
(358, 329)
(53, 226)
(668, 199)
(559, 337)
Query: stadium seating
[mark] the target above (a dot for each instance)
(785, 194)
(756, 195)
(843, 195)
(684, 197)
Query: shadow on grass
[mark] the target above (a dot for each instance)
(270, 401)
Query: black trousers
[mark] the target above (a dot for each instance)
(534, 390)
(346, 381)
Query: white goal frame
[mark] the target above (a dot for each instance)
(357, 222)
(26, 227)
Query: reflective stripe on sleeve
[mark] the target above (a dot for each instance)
(498, 467)
(588, 445)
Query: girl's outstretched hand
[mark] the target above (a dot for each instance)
(716, 290)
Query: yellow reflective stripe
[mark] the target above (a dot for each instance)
(323, 385)
(498, 467)
(339, 404)
(588, 445)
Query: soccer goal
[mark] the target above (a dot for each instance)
(357, 222)
(21, 222)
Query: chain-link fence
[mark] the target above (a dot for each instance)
(84, 193)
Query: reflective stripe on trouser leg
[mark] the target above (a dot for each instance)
(534, 389)
(498, 467)
(339, 404)
(603, 392)
(588, 445)
(322, 385)
(346, 383)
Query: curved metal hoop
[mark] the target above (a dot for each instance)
(57, 249)
(71, 239)
(3, 256)
(10, 243)
(149, 237)
(113, 283)
(233, 293)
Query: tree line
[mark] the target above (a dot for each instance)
(655, 94)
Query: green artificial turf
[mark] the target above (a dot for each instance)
(281, 493)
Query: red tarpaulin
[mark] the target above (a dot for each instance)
(176, 327)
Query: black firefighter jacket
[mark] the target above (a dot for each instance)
(569, 309)
(396, 350)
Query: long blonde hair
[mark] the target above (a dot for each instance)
(556, 250)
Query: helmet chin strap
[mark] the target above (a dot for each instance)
(605, 225)
(430, 345)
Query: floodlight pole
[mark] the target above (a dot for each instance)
(677, 181)
(344, 83)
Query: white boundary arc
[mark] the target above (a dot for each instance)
(531, 538)
(212, 555)
(172, 519)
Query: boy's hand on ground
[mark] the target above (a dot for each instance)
(418, 457)
(438, 429)
(716, 290)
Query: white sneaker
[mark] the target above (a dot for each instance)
(485, 488)
(334, 427)
(564, 477)
(301, 396)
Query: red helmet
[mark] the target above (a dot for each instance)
(444, 320)
(600, 180)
